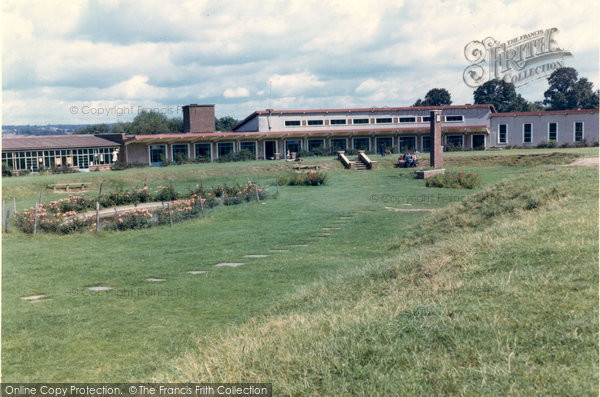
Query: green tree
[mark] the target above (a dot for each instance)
(225, 123)
(150, 122)
(498, 93)
(566, 91)
(435, 97)
(94, 129)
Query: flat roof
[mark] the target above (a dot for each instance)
(545, 112)
(358, 110)
(48, 142)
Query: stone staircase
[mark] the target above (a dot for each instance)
(361, 163)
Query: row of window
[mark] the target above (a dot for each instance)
(379, 120)
(158, 153)
(552, 129)
(33, 160)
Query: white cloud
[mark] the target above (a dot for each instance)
(316, 53)
(239, 92)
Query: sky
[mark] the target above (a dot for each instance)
(94, 62)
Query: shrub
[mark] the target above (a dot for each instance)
(547, 144)
(6, 171)
(242, 155)
(454, 180)
(165, 193)
(312, 178)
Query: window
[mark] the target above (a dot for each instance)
(293, 146)
(552, 128)
(407, 119)
(315, 143)
(361, 144)
(360, 121)
(454, 141)
(407, 144)
(224, 148)
(203, 151)
(292, 123)
(179, 152)
(427, 119)
(315, 122)
(385, 143)
(578, 131)
(502, 133)
(338, 144)
(250, 146)
(527, 133)
(383, 120)
(338, 122)
(426, 143)
(158, 156)
(454, 119)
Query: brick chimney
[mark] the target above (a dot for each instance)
(198, 118)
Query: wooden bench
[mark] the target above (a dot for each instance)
(306, 167)
(78, 186)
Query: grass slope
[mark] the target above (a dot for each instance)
(505, 306)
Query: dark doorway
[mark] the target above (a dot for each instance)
(270, 150)
(478, 142)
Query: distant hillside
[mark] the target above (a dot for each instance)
(50, 129)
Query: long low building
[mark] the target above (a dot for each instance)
(272, 134)
(83, 152)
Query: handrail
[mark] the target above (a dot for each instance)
(342, 157)
(366, 160)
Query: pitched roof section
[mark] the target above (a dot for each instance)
(356, 110)
(546, 112)
(55, 142)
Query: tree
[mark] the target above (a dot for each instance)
(94, 129)
(225, 123)
(568, 92)
(435, 97)
(498, 93)
(150, 122)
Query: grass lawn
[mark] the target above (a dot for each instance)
(474, 308)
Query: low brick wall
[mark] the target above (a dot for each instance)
(426, 174)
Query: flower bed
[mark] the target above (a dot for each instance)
(311, 178)
(63, 216)
(454, 180)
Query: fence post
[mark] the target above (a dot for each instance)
(100, 190)
(41, 191)
(256, 188)
(15, 204)
(277, 184)
(35, 219)
(146, 182)
(170, 214)
(97, 216)
(6, 220)
(201, 206)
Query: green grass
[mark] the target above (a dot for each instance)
(362, 312)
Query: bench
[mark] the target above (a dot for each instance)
(306, 167)
(78, 186)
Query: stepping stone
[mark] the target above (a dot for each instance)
(326, 228)
(34, 298)
(230, 264)
(345, 217)
(156, 279)
(299, 245)
(99, 288)
(255, 256)
(279, 250)
(197, 271)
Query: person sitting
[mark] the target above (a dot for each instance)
(408, 160)
(415, 159)
(400, 162)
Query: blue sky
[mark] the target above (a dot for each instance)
(74, 61)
